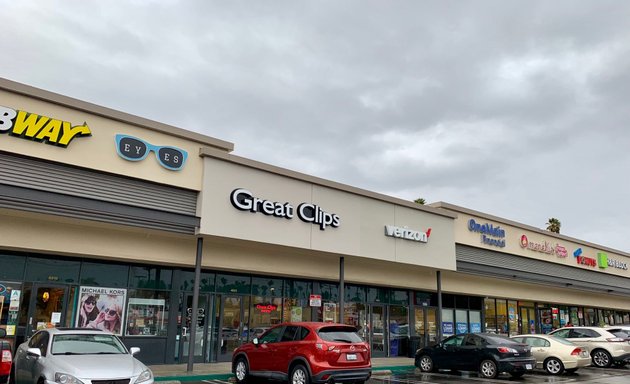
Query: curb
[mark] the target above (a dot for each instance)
(380, 371)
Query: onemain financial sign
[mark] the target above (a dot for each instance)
(490, 234)
(244, 200)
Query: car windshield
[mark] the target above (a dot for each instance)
(85, 344)
(341, 334)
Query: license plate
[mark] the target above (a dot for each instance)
(528, 366)
(351, 356)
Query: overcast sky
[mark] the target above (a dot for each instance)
(518, 109)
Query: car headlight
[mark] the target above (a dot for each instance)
(144, 376)
(64, 378)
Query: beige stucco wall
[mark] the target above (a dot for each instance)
(300, 263)
(363, 219)
(98, 151)
(25, 231)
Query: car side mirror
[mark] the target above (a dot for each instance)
(34, 352)
(134, 350)
(255, 341)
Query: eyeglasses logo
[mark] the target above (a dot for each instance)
(134, 149)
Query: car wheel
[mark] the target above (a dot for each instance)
(299, 375)
(601, 358)
(241, 370)
(425, 363)
(516, 375)
(553, 366)
(488, 369)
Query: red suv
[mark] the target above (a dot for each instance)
(305, 352)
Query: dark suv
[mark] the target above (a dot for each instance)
(305, 352)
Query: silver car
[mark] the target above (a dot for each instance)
(78, 356)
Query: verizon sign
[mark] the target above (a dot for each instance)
(407, 234)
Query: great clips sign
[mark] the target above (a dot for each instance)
(244, 200)
(40, 128)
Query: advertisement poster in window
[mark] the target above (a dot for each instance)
(145, 317)
(101, 308)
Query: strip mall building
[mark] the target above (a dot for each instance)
(107, 209)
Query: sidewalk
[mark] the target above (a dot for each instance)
(175, 373)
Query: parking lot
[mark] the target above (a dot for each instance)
(584, 375)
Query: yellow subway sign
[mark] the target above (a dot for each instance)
(40, 128)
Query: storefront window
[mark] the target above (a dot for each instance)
(355, 293)
(355, 314)
(398, 330)
(147, 313)
(330, 292)
(52, 271)
(461, 321)
(491, 315)
(475, 321)
(187, 281)
(296, 310)
(150, 278)
(377, 295)
(448, 323)
(265, 312)
(104, 275)
(513, 317)
(12, 267)
(399, 297)
(502, 317)
(266, 287)
(233, 284)
(298, 289)
(589, 317)
(10, 294)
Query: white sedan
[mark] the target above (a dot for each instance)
(77, 356)
(554, 354)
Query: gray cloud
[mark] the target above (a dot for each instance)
(518, 109)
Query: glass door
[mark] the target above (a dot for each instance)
(231, 318)
(527, 320)
(378, 330)
(47, 307)
(202, 331)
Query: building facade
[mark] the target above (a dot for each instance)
(101, 211)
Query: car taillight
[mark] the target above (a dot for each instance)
(6, 357)
(576, 352)
(506, 350)
(324, 347)
(616, 340)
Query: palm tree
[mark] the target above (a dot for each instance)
(420, 201)
(553, 225)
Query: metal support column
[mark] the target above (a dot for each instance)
(195, 305)
(342, 295)
(438, 315)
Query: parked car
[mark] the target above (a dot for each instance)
(622, 331)
(77, 355)
(257, 332)
(555, 355)
(605, 348)
(6, 358)
(304, 352)
(487, 353)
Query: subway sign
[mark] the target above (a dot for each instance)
(244, 200)
(40, 128)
